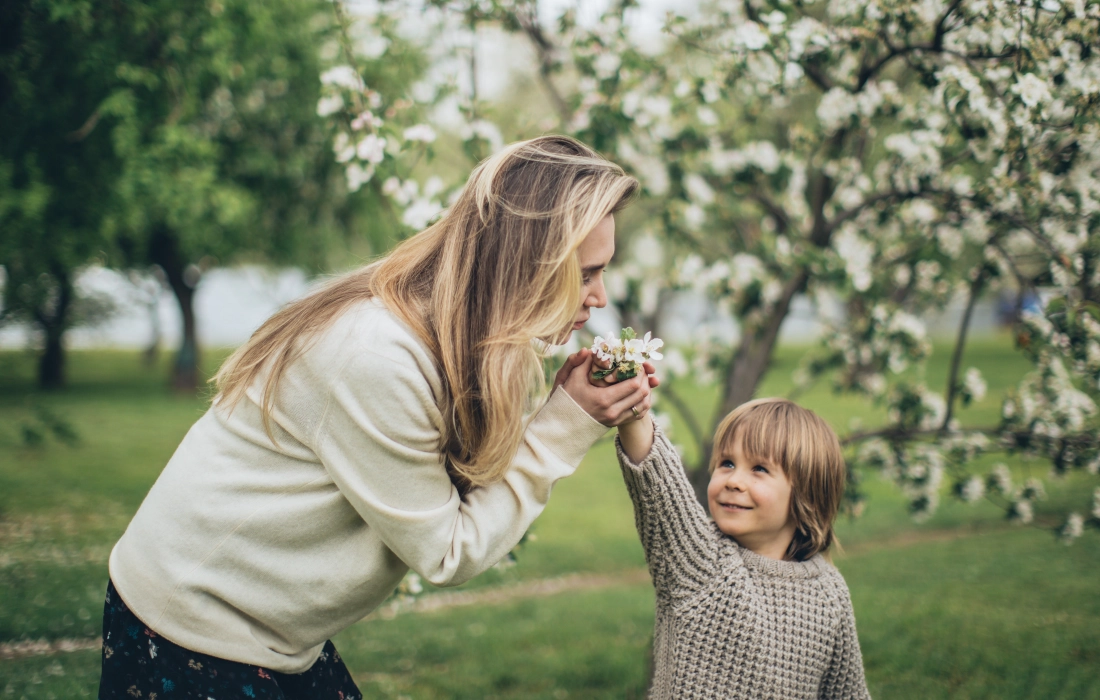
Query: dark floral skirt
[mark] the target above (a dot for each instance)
(139, 663)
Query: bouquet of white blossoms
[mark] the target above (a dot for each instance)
(626, 353)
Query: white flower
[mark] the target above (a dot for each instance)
(1074, 527)
(606, 64)
(634, 350)
(1032, 490)
(420, 213)
(750, 36)
(624, 352)
(706, 116)
(974, 385)
(486, 131)
(1032, 90)
(650, 346)
(343, 76)
(710, 92)
(420, 132)
(342, 147)
(694, 216)
(329, 104)
(836, 108)
(372, 149)
(1021, 511)
(999, 480)
(972, 489)
(366, 120)
(676, 363)
(857, 254)
(358, 176)
(607, 349)
(698, 188)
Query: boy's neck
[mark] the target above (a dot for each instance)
(772, 548)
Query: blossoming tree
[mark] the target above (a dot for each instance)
(894, 155)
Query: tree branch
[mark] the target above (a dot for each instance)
(545, 49)
(960, 343)
(773, 208)
(85, 129)
(692, 423)
(848, 214)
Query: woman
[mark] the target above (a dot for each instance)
(375, 425)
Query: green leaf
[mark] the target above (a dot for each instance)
(626, 372)
(601, 373)
(627, 334)
(1091, 308)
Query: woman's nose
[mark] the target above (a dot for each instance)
(597, 296)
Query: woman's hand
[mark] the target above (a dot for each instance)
(572, 362)
(610, 403)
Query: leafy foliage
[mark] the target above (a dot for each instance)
(893, 155)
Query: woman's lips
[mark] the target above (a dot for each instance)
(579, 324)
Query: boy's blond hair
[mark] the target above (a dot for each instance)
(808, 451)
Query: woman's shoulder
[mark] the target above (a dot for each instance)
(369, 328)
(368, 341)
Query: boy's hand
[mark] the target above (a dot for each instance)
(636, 436)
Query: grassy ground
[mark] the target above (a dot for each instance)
(962, 605)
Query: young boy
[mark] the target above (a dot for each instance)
(747, 606)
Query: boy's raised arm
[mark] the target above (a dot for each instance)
(679, 542)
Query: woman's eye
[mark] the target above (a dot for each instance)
(586, 281)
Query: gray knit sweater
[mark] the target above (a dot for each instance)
(732, 623)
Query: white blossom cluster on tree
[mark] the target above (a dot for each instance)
(896, 155)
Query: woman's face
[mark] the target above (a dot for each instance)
(594, 253)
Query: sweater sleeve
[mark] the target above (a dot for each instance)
(844, 678)
(679, 542)
(380, 441)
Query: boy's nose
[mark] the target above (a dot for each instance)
(733, 482)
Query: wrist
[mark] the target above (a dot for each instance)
(636, 437)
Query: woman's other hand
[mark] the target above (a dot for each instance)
(611, 403)
(572, 362)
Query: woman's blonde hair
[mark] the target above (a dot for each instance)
(808, 451)
(497, 271)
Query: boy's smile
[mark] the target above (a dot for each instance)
(750, 501)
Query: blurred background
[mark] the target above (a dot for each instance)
(888, 211)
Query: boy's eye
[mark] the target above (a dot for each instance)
(760, 468)
(726, 464)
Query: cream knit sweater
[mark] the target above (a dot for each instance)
(259, 552)
(732, 623)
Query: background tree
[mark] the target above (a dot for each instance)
(224, 158)
(56, 168)
(891, 155)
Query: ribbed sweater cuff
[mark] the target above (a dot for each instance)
(566, 428)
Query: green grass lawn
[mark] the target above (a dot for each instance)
(962, 605)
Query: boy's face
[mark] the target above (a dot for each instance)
(750, 501)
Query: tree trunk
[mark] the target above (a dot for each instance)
(750, 362)
(51, 365)
(164, 251)
(54, 321)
